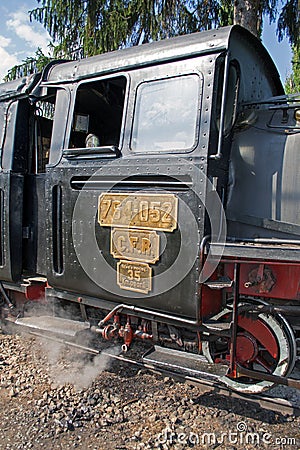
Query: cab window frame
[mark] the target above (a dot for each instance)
(152, 80)
(42, 118)
(72, 110)
(28, 132)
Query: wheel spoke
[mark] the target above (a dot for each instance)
(259, 360)
(267, 344)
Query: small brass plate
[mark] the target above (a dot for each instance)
(137, 245)
(155, 211)
(134, 276)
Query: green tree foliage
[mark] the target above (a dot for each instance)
(81, 28)
(29, 65)
(288, 23)
(292, 84)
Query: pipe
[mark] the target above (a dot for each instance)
(152, 314)
(5, 296)
(269, 309)
(264, 241)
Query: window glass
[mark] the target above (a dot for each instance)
(43, 124)
(98, 113)
(62, 105)
(166, 114)
(8, 136)
(3, 110)
(26, 146)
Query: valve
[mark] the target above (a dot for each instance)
(261, 278)
(111, 331)
(127, 334)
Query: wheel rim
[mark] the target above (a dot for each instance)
(266, 344)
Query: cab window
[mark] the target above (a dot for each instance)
(42, 128)
(28, 131)
(166, 114)
(98, 113)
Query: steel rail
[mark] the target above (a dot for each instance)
(278, 405)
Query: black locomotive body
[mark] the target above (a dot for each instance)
(154, 192)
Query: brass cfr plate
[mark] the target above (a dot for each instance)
(155, 211)
(134, 276)
(137, 245)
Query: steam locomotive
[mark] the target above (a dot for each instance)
(153, 193)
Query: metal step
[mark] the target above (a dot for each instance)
(219, 284)
(214, 325)
(183, 362)
(56, 325)
(37, 280)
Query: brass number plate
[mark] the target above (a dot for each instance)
(155, 211)
(137, 245)
(134, 276)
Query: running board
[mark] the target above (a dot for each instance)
(182, 362)
(51, 324)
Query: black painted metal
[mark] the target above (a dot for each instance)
(11, 186)
(34, 229)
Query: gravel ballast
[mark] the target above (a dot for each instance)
(55, 398)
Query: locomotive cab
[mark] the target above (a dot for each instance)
(127, 180)
(264, 173)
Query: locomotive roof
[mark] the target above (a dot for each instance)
(205, 42)
(19, 86)
(211, 41)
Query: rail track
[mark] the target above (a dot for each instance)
(279, 405)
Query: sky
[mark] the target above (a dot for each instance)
(20, 38)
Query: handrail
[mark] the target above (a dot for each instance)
(218, 155)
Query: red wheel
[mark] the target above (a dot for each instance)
(265, 344)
